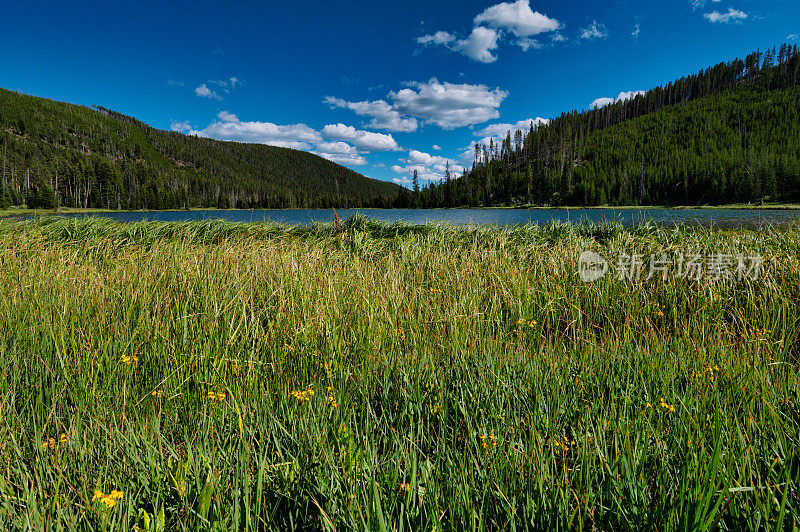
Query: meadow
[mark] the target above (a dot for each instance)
(223, 376)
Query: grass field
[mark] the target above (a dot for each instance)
(212, 375)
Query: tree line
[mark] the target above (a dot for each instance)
(730, 133)
(58, 154)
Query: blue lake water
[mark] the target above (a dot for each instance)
(718, 217)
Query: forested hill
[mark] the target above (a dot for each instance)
(730, 133)
(56, 153)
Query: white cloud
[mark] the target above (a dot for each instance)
(382, 114)
(174, 83)
(416, 157)
(602, 102)
(449, 105)
(225, 116)
(792, 37)
(179, 126)
(515, 18)
(340, 152)
(637, 29)
(440, 37)
(204, 92)
(733, 15)
(526, 44)
(595, 31)
(402, 180)
(436, 147)
(338, 148)
(500, 130)
(518, 18)
(364, 140)
(428, 167)
(229, 127)
(479, 45)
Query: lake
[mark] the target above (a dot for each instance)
(718, 217)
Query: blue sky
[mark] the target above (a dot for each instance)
(382, 87)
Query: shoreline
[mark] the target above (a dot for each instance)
(735, 206)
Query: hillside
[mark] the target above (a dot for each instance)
(69, 155)
(730, 133)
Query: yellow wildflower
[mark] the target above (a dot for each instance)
(488, 442)
(303, 395)
(62, 438)
(216, 397)
(331, 398)
(108, 501)
(129, 360)
(157, 393)
(97, 495)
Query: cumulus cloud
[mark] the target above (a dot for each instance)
(733, 15)
(330, 143)
(436, 147)
(340, 152)
(602, 102)
(428, 167)
(500, 130)
(225, 116)
(229, 127)
(449, 105)
(382, 115)
(365, 140)
(595, 31)
(440, 37)
(179, 126)
(518, 18)
(204, 92)
(490, 26)
(479, 45)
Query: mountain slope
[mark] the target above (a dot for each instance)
(55, 152)
(730, 133)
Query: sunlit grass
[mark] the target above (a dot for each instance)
(254, 376)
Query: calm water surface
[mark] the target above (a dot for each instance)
(719, 217)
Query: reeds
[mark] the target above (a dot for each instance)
(460, 377)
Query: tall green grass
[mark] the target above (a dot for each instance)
(450, 413)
